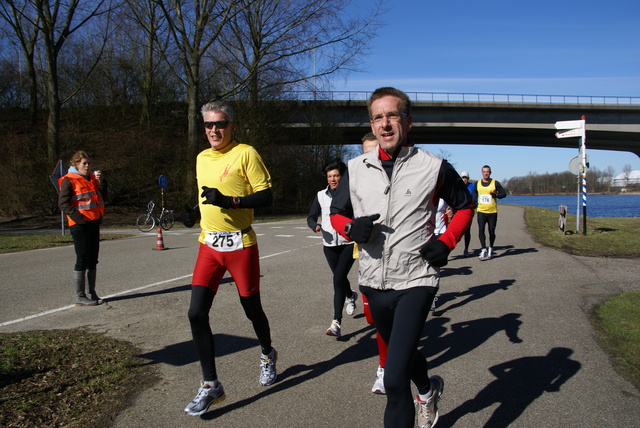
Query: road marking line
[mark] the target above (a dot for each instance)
(288, 251)
(41, 314)
(64, 308)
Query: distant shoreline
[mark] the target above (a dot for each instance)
(573, 193)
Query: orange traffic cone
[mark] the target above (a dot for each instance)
(160, 241)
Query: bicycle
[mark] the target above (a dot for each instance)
(146, 222)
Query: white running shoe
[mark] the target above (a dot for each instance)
(207, 395)
(378, 385)
(351, 303)
(483, 254)
(490, 253)
(268, 371)
(427, 411)
(334, 329)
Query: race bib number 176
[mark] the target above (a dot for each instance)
(485, 199)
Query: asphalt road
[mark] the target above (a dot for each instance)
(511, 336)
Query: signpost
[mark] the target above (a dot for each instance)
(576, 128)
(58, 171)
(162, 182)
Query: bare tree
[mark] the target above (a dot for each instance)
(274, 48)
(627, 173)
(275, 45)
(24, 26)
(611, 173)
(147, 15)
(193, 25)
(57, 21)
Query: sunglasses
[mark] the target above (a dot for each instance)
(220, 124)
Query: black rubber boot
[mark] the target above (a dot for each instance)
(79, 284)
(91, 280)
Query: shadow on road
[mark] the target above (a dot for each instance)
(365, 347)
(473, 293)
(175, 289)
(519, 383)
(499, 251)
(183, 353)
(465, 336)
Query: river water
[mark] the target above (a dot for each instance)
(597, 205)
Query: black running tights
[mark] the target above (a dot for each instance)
(492, 220)
(201, 302)
(399, 317)
(340, 259)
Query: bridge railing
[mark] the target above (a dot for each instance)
(470, 97)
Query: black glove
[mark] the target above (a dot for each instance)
(361, 228)
(214, 197)
(435, 252)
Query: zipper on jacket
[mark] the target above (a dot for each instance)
(385, 257)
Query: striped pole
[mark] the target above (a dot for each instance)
(583, 146)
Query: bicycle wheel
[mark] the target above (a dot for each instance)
(145, 222)
(166, 221)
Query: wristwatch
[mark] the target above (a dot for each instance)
(347, 229)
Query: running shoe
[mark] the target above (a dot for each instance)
(351, 303)
(207, 395)
(334, 329)
(490, 253)
(427, 411)
(378, 385)
(483, 254)
(268, 371)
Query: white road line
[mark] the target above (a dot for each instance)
(288, 251)
(41, 314)
(64, 308)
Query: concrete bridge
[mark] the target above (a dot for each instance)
(612, 123)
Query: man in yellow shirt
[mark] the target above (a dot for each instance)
(487, 193)
(234, 181)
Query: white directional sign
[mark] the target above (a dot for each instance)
(570, 133)
(570, 124)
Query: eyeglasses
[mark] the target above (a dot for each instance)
(392, 116)
(220, 124)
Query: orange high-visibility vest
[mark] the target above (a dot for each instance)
(86, 196)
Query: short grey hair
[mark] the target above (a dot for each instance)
(218, 106)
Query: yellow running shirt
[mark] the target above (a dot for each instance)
(237, 170)
(486, 203)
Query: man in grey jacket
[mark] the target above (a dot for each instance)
(392, 193)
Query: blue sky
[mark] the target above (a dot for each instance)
(561, 47)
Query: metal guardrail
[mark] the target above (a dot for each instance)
(469, 97)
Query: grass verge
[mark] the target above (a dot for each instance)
(618, 324)
(67, 378)
(15, 242)
(617, 321)
(606, 237)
